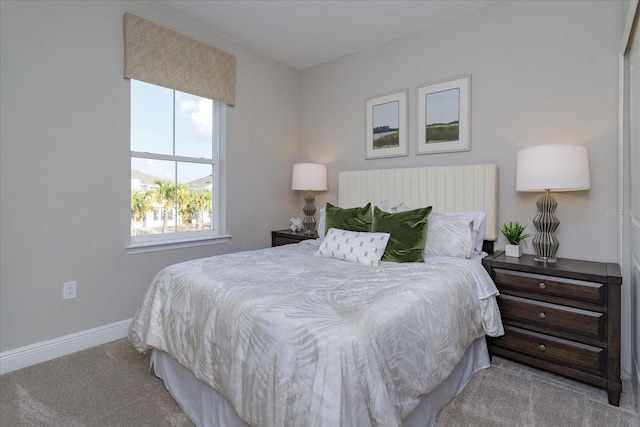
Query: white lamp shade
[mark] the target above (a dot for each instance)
(557, 167)
(309, 176)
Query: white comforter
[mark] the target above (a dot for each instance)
(292, 339)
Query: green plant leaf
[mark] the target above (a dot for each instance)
(514, 232)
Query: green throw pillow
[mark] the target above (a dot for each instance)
(352, 219)
(408, 233)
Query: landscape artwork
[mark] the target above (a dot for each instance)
(386, 133)
(386, 126)
(443, 117)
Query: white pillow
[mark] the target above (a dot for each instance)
(384, 206)
(479, 221)
(321, 223)
(449, 235)
(355, 246)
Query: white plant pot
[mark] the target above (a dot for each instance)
(512, 250)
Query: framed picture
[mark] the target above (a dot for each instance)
(444, 117)
(387, 126)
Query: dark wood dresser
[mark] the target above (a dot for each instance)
(562, 317)
(286, 237)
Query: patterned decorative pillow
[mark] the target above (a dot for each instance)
(354, 246)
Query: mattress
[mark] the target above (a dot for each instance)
(288, 338)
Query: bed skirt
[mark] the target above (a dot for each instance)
(205, 407)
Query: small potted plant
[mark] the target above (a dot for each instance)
(514, 233)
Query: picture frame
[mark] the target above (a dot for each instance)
(386, 126)
(444, 117)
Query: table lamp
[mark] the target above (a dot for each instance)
(551, 168)
(309, 177)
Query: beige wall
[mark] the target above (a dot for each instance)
(630, 206)
(65, 165)
(542, 73)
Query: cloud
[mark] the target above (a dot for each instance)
(200, 113)
(149, 136)
(163, 171)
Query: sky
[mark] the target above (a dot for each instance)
(152, 123)
(386, 114)
(443, 107)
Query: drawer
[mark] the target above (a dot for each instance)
(556, 350)
(552, 316)
(280, 240)
(539, 284)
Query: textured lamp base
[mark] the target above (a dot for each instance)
(545, 243)
(309, 222)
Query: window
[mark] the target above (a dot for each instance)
(175, 167)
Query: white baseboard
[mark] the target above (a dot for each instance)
(33, 354)
(635, 379)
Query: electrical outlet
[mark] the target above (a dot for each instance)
(69, 290)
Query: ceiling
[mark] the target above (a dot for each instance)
(306, 33)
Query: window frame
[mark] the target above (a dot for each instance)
(192, 238)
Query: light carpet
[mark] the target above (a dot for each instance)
(110, 385)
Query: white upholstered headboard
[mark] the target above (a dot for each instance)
(446, 188)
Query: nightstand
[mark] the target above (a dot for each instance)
(562, 317)
(286, 237)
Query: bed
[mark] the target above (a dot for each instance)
(287, 336)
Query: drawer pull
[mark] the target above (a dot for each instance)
(542, 315)
(542, 285)
(542, 347)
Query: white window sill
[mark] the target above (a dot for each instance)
(144, 246)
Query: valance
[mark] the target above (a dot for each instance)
(158, 55)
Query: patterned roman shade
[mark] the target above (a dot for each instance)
(158, 55)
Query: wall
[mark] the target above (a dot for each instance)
(630, 161)
(65, 165)
(542, 73)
